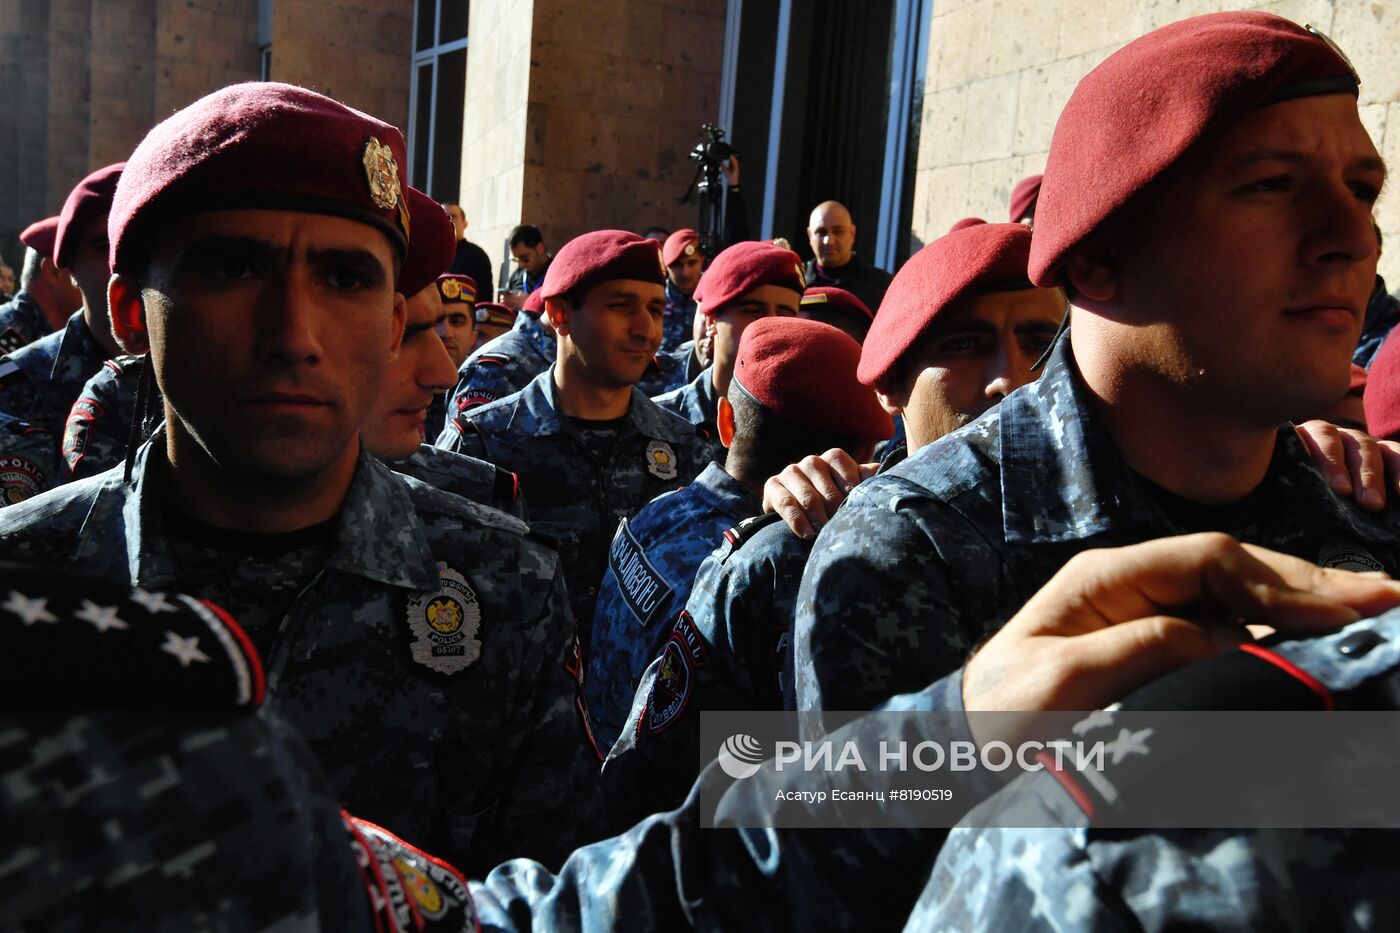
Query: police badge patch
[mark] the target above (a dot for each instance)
(661, 460)
(20, 478)
(1339, 555)
(670, 692)
(444, 624)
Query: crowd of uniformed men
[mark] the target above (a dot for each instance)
(466, 573)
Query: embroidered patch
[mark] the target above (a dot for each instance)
(643, 588)
(434, 892)
(1339, 555)
(445, 623)
(78, 431)
(476, 399)
(670, 693)
(661, 460)
(20, 478)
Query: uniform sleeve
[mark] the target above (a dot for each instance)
(461, 437)
(94, 438)
(481, 381)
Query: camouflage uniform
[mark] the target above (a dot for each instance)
(422, 630)
(569, 493)
(503, 366)
(28, 460)
(665, 372)
(698, 402)
(651, 566)
(99, 423)
(22, 322)
(463, 476)
(40, 382)
(679, 321)
(921, 562)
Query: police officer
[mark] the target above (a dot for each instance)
(403, 627)
(492, 320)
(746, 282)
(794, 393)
(684, 263)
(507, 364)
(40, 382)
(46, 293)
(589, 448)
(837, 307)
(459, 333)
(900, 586)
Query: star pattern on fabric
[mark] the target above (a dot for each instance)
(185, 650)
(29, 610)
(152, 602)
(105, 618)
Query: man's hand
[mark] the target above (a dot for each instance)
(730, 167)
(1111, 621)
(807, 493)
(1354, 463)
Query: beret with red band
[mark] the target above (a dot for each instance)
(1138, 112)
(1382, 395)
(457, 289)
(261, 145)
(1023, 197)
(40, 236)
(838, 300)
(805, 372)
(602, 256)
(430, 248)
(971, 261)
(745, 266)
(489, 312)
(679, 245)
(89, 200)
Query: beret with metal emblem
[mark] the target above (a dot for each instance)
(741, 268)
(805, 371)
(1023, 198)
(89, 200)
(679, 245)
(457, 289)
(1159, 96)
(490, 312)
(260, 145)
(1382, 393)
(836, 300)
(430, 248)
(602, 256)
(40, 236)
(972, 261)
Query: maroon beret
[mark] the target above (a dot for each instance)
(602, 256)
(261, 145)
(534, 302)
(680, 244)
(805, 372)
(431, 245)
(457, 289)
(966, 222)
(745, 266)
(984, 258)
(1382, 397)
(493, 313)
(1148, 103)
(89, 200)
(1023, 197)
(40, 235)
(838, 300)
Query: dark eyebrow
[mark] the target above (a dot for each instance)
(1294, 157)
(1037, 327)
(981, 328)
(360, 260)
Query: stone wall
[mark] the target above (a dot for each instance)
(999, 71)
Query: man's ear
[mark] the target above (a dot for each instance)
(556, 311)
(400, 322)
(128, 314)
(725, 421)
(1092, 271)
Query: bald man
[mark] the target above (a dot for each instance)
(832, 235)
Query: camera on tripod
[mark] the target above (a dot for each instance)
(711, 151)
(710, 154)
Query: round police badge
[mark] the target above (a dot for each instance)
(444, 624)
(20, 478)
(382, 173)
(661, 460)
(451, 288)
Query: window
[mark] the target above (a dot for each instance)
(437, 97)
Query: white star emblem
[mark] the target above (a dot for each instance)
(1129, 743)
(186, 650)
(1093, 721)
(104, 617)
(29, 610)
(152, 602)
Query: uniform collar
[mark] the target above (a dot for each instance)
(541, 340)
(1063, 479)
(378, 533)
(725, 493)
(537, 412)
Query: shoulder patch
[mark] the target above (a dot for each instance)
(642, 586)
(492, 359)
(742, 533)
(685, 652)
(475, 398)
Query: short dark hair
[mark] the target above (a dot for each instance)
(527, 234)
(766, 442)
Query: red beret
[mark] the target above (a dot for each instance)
(1382, 398)
(262, 145)
(493, 313)
(680, 244)
(39, 236)
(602, 256)
(1148, 103)
(965, 223)
(838, 300)
(89, 200)
(1023, 197)
(457, 289)
(431, 246)
(745, 266)
(534, 302)
(805, 372)
(983, 258)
